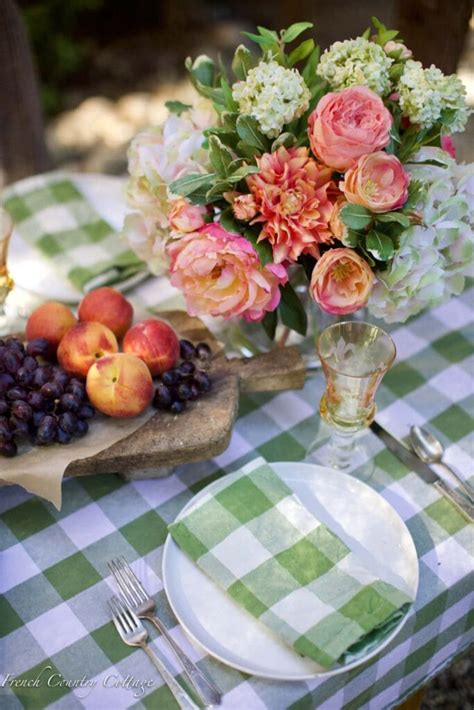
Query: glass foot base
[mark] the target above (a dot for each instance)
(348, 454)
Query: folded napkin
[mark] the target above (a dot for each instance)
(53, 216)
(258, 542)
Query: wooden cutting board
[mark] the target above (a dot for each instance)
(205, 428)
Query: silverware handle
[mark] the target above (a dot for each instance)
(465, 487)
(184, 700)
(208, 693)
(460, 503)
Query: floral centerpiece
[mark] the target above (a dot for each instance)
(340, 165)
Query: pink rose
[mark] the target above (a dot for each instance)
(348, 124)
(377, 181)
(447, 144)
(397, 50)
(220, 275)
(341, 281)
(185, 217)
(244, 207)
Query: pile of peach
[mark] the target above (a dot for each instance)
(119, 384)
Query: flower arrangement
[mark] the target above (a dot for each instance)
(338, 164)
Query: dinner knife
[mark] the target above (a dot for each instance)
(421, 468)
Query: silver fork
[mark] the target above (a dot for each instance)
(133, 633)
(144, 606)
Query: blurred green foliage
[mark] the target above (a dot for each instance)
(61, 50)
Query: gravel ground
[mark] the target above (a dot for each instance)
(453, 689)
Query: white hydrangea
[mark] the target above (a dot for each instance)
(147, 240)
(425, 93)
(434, 258)
(356, 62)
(273, 95)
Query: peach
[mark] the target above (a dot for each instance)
(120, 385)
(51, 321)
(155, 342)
(108, 306)
(83, 345)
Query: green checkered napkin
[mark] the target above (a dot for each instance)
(258, 542)
(52, 216)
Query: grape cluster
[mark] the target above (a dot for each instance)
(38, 401)
(187, 381)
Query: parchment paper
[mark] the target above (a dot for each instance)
(40, 469)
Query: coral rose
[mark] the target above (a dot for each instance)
(378, 181)
(185, 217)
(244, 207)
(341, 281)
(290, 193)
(338, 228)
(220, 275)
(348, 124)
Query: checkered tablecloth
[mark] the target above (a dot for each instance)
(54, 626)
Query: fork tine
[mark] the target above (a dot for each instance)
(116, 618)
(132, 582)
(133, 578)
(122, 610)
(126, 590)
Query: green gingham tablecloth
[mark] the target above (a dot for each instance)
(55, 634)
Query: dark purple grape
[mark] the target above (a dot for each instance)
(202, 381)
(70, 403)
(12, 360)
(6, 382)
(82, 427)
(163, 397)
(195, 394)
(22, 410)
(30, 363)
(41, 376)
(87, 411)
(23, 377)
(47, 430)
(17, 393)
(6, 430)
(38, 417)
(51, 390)
(61, 377)
(203, 351)
(186, 369)
(170, 378)
(38, 346)
(36, 400)
(177, 406)
(68, 422)
(76, 388)
(3, 407)
(63, 437)
(8, 448)
(187, 349)
(19, 427)
(184, 391)
(15, 344)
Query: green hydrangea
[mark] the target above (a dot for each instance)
(426, 93)
(435, 257)
(356, 62)
(273, 95)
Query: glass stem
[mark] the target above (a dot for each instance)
(341, 448)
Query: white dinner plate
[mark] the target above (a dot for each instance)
(105, 194)
(355, 512)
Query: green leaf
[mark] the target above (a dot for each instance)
(377, 24)
(264, 42)
(301, 52)
(309, 71)
(398, 217)
(229, 102)
(270, 34)
(229, 223)
(248, 130)
(352, 238)
(229, 119)
(356, 216)
(308, 263)
(366, 33)
(202, 69)
(242, 173)
(220, 156)
(295, 30)
(270, 322)
(263, 248)
(292, 312)
(217, 191)
(379, 245)
(286, 139)
(191, 183)
(247, 151)
(177, 107)
(386, 36)
(242, 62)
(415, 190)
